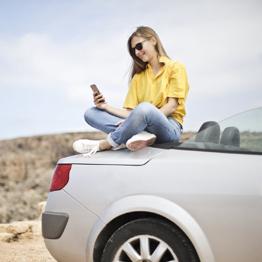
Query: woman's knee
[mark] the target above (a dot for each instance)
(145, 108)
(144, 112)
(90, 114)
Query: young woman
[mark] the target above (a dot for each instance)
(155, 104)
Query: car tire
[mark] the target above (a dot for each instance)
(149, 239)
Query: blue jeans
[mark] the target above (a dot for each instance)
(144, 116)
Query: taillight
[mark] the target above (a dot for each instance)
(60, 177)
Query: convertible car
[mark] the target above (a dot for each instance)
(200, 200)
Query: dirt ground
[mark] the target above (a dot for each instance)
(25, 250)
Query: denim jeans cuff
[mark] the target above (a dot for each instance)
(111, 141)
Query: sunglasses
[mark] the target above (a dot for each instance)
(138, 47)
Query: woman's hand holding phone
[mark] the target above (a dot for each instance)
(99, 99)
(101, 103)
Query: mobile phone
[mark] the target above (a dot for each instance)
(94, 88)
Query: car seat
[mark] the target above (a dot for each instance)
(230, 137)
(208, 132)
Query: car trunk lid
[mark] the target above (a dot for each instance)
(121, 156)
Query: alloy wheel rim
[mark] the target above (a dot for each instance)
(145, 248)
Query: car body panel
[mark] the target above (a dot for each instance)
(72, 244)
(164, 208)
(206, 186)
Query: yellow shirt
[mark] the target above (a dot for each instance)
(171, 81)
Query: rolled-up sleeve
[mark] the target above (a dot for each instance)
(178, 85)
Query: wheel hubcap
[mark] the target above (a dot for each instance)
(145, 248)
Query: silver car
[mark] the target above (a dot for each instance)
(200, 200)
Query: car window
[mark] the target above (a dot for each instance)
(240, 133)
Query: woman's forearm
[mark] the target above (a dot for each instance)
(123, 113)
(170, 107)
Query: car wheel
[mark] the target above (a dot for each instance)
(149, 240)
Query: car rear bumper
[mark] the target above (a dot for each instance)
(53, 224)
(72, 244)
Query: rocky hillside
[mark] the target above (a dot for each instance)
(26, 168)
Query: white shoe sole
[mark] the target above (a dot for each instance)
(140, 140)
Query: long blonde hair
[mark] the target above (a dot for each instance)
(146, 32)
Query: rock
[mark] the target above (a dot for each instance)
(6, 237)
(41, 208)
(35, 227)
(3, 228)
(18, 228)
(21, 230)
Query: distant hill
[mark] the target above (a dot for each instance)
(26, 168)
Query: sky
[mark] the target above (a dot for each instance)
(51, 52)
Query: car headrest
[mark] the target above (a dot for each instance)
(230, 137)
(208, 132)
